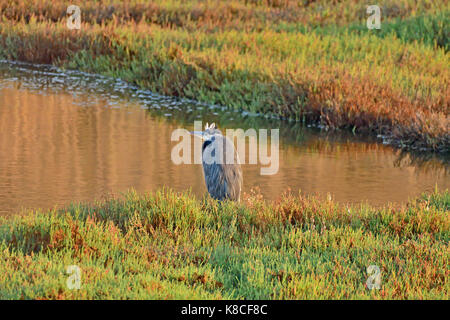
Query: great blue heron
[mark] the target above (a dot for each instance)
(221, 165)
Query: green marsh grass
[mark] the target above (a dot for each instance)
(165, 245)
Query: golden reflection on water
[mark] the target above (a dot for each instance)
(53, 152)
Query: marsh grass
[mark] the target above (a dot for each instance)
(214, 15)
(165, 245)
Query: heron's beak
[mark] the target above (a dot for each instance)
(198, 134)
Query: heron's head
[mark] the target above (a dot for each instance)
(208, 135)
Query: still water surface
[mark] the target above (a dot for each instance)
(69, 136)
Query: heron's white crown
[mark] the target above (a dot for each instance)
(207, 134)
(211, 127)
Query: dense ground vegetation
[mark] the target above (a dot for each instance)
(314, 61)
(168, 245)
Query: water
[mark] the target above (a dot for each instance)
(69, 136)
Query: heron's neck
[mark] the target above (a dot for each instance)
(205, 144)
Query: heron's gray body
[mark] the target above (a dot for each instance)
(221, 166)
